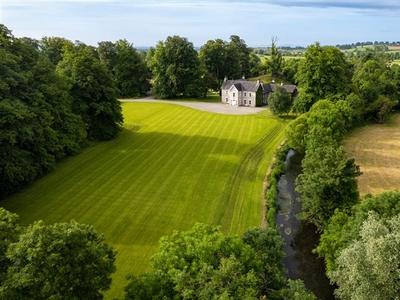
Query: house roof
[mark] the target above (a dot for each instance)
(252, 86)
(241, 85)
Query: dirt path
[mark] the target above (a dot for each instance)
(216, 107)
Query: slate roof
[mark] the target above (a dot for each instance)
(252, 86)
(241, 85)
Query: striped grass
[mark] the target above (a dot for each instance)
(170, 167)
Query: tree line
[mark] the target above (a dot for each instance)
(55, 97)
(359, 241)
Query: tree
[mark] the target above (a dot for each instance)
(274, 63)
(60, 261)
(9, 232)
(53, 47)
(279, 101)
(127, 67)
(378, 91)
(203, 263)
(38, 124)
(296, 290)
(213, 56)
(237, 48)
(296, 132)
(93, 90)
(176, 69)
(322, 74)
(369, 267)
(344, 226)
(328, 182)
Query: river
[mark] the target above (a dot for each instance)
(300, 237)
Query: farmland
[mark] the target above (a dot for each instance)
(376, 150)
(170, 167)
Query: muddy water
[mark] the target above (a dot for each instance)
(300, 237)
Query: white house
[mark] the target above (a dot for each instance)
(241, 92)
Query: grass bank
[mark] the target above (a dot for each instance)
(170, 167)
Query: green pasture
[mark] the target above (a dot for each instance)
(170, 167)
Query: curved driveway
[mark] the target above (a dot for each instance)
(216, 107)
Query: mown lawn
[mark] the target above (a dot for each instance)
(171, 166)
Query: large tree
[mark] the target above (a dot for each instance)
(127, 67)
(377, 88)
(279, 101)
(344, 226)
(203, 263)
(328, 182)
(93, 90)
(176, 69)
(60, 261)
(322, 74)
(369, 267)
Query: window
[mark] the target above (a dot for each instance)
(226, 92)
(244, 102)
(233, 94)
(226, 99)
(249, 94)
(245, 94)
(249, 102)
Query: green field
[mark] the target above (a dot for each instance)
(170, 167)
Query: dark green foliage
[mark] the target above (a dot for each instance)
(296, 290)
(176, 69)
(322, 73)
(328, 182)
(127, 66)
(290, 68)
(268, 245)
(232, 59)
(37, 121)
(344, 227)
(9, 232)
(279, 101)
(93, 91)
(60, 261)
(53, 48)
(377, 89)
(203, 263)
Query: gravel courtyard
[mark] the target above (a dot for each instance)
(216, 107)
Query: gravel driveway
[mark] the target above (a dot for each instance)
(216, 107)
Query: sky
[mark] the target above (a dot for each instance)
(144, 23)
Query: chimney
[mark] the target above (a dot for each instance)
(281, 83)
(243, 77)
(225, 79)
(273, 80)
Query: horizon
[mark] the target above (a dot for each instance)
(144, 23)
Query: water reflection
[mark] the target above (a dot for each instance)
(300, 237)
